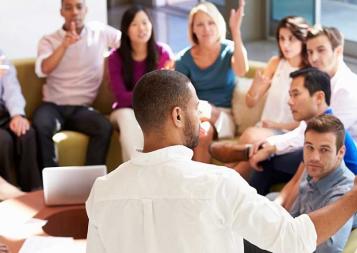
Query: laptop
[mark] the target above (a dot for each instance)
(70, 184)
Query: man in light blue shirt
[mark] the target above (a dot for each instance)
(17, 138)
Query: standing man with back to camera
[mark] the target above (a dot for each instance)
(162, 201)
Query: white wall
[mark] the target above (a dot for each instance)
(24, 22)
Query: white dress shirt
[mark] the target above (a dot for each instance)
(76, 79)
(290, 141)
(163, 201)
(344, 97)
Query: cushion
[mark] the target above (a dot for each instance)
(245, 117)
(351, 245)
(71, 148)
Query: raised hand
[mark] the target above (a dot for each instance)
(236, 17)
(19, 125)
(71, 36)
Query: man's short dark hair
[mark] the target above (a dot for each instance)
(332, 33)
(63, 0)
(156, 94)
(328, 124)
(315, 80)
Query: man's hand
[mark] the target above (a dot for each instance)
(71, 36)
(261, 155)
(19, 125)
(208, 112)
(52, 61)
(4, 248)
(270, 124)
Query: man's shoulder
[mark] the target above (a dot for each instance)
(345, 77)
(96, 26)
(342, 183)
(186, 168)
(53, 36)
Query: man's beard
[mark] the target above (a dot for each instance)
(191, 135)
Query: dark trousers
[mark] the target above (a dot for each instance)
(250, 248)
(50, 118)
(279, 169)
(20, 153)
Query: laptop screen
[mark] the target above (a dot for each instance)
(70, 184)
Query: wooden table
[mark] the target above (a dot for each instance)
(18, 220)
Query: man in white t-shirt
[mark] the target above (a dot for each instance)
(72, 60)
(162, 201)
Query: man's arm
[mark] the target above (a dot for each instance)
(51, 62)
(330, 219)
(94, 242)
(12, 96)
(289, 141)
(337, 242)
(14, 101)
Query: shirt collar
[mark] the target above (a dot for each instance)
(325, 184)
(164, 154)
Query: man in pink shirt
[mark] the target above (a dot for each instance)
(72, 59)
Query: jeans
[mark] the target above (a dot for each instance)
(50, 118)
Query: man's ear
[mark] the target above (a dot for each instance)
(341, 152)
(339, 50)
(320, 96)
(177, 117)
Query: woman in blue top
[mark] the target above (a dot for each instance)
(212, 62)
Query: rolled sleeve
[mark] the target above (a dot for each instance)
(288, 142)
(268, 225)
(38, 65)
(45, 49)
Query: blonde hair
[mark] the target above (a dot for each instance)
(212, 11)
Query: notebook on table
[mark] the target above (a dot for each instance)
(69, 184)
